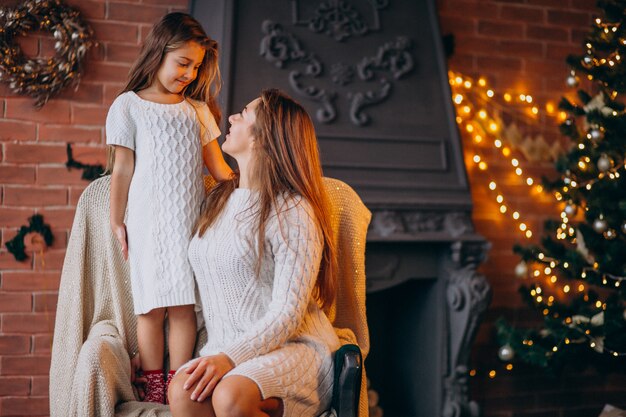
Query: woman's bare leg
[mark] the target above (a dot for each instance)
(238, 396)
(180, 401)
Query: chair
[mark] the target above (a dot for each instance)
(95, 329)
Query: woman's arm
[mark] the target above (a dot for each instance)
(123, 169)
(297, 250)
(214, 161)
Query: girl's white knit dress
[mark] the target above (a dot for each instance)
(268, 323)
(165, 193)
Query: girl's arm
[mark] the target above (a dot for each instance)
(214, 161)
(123, 169)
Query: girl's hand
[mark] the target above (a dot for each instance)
(207, 371)
(119, 231)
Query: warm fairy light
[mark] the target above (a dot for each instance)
(550, 107)
(514, 162)
(499, 198)
(581, 146)
(489, 93)
(467, 84)
(529, 181)
(522, 97)
(472, 372)
(478, 138)
(535, 110)
(555, 348)
(507, 97)
(503, 209)
(492, 374)
(482, 114)
(493, 127)
(497, 143)
(515, 215)
(536, 273)
(506, 151)
(482, 165)
(469, 128)
(598, 304)
(492, 185)
(566, 289)
(547, 271)
(522, 226)
(458, 99)
(553, 279)
(581, 288)
(509, 366)
(529, 234)
(476, 158)
(518, 171)
(482, 82)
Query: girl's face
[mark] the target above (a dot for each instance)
(180, 67)
(239, 140)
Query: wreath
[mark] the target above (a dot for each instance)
(42, 78)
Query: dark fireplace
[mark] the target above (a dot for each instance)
(373, 77)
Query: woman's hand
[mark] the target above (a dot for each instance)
(207, 371)
(119, 231)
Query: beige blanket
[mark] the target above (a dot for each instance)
(95, 326)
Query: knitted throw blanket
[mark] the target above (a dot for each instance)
(95, 326)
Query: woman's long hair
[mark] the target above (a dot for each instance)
(170, 33)
(286, 163)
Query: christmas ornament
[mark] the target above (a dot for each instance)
(572, 80)
(43, 78)
(623, 227)
(610, 234)
(570, 209)
(506, 353)
(600, 225)
(587, 61)
(596, 133)
(582, 248)
(521, 269)
(604, 163)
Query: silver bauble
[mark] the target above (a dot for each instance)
(572, 80)
(596, 133)
(570, 209)
(587, 60)
(506, 353)
(604, 163)
(623, 227)
(600, 225)
(567, 180)
(521, 269)
(610, 234)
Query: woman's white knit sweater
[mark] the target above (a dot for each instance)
(268, 323)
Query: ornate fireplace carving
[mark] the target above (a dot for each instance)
(372, 75)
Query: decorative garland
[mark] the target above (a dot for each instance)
(37, 236)
(42, 78)
(90, 172)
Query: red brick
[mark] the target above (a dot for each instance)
(111, 91)
(475, 45)
(59, 217)
(83, 115)
(14, 130)
(40, 386)
(13, 344)
(123, 53)
(42, 343)
(14, 217)
(122, 32)
(34, 153)
(545, 67)
(15, 174)
(60, 238)
(135, 13)
(501, 30)
(87, 92)
(522, 13)
(18, 406)
(75, 193)
(28, 322)
(551, 33)
(180, 3)
(25, 365)
(556, 51)
(550, 3)
(14, 386)
(69, 134)
(91, 9)
(473, 9)
(29, 44)
(35, 196)
(51, 260)
(90, 154)
(562, 17)
(24, 109)
(521, 48)
(577, 37)
(46, 46)
(45, 302)
(15, 302)
(588, 5)
(495, 63)
(30, 281)
(462, 61)
(59, 175)
(8, 262)
(105, 73)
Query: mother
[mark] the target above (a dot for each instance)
(264, 264)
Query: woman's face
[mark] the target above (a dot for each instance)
(239, 140)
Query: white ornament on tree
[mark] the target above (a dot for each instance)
(610, 234)
(521, 269)
(582, 248)
(506, 353)
(572, 80)
(570, 209)
(600, 225)
(604, 163)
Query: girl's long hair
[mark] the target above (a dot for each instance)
(170, 33)
(286, 163)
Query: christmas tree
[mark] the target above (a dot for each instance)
(576, 277)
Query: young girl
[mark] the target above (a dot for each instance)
(161, 128)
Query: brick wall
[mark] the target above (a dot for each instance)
(520, 46)
(516, 45)
(33, 179)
